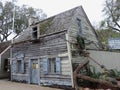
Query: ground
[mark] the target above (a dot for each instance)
(8, 85)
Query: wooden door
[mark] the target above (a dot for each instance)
(34, 71)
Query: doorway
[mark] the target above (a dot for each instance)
(34, 71)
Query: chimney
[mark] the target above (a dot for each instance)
(32, 20)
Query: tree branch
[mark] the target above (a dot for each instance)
(116, 23)
(110, 6)
(114, 28)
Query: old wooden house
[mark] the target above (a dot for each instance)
(4, 59)
(45, 52)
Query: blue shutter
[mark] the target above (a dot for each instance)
(14, 66)
(45, 65)
(22, 66)
(29, 71)
(58, 66)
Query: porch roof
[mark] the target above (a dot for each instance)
(4, 45)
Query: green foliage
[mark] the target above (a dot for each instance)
(112, 13)
(22, 15)
(114, 73)
(81, 43)
(105, 34)
(93, 73)
(5, 20)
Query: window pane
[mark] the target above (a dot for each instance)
(52, 66)
(19, 66)
(34, 33)
(45, 65)
(79, 25)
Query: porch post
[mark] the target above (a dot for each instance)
(38, 71)
(0, 62)
(29, 68)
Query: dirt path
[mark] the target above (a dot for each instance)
(8, 85)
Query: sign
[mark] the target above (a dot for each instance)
(114, 43)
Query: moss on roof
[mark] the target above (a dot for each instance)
(45, 25)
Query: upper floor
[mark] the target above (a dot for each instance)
(75, 21)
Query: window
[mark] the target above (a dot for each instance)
(34, 32)
(79, 25)
(6, 64)
(26, 65)
(20, 66)
(51, 65)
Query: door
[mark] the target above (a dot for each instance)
(34, 71)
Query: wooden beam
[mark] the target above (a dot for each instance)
(76, 72)
(80, 66)
(70, 58)
(5, 50)
(41, 36)
(39, 71)
(57, 32)
(100, 84)
(0, 62)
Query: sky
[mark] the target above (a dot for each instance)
(93, 8)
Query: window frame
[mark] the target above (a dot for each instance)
(47, 67)
(52, 66)
(19, 58)
(35, 32)
(79, 23)
(20, 68)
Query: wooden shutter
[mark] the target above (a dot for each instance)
(58, 65)
(45, 65)
(14, 66)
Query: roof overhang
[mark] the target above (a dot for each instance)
(5, 50)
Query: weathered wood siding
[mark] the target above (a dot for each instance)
(81, 25)
(64, 78)
(50, 46)
(86, 29)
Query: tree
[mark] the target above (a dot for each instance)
(112, 13)
(5, 20)
(105, 34)
(22, 15)
(21, 18)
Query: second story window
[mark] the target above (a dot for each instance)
(34, 32)
(79, 25)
